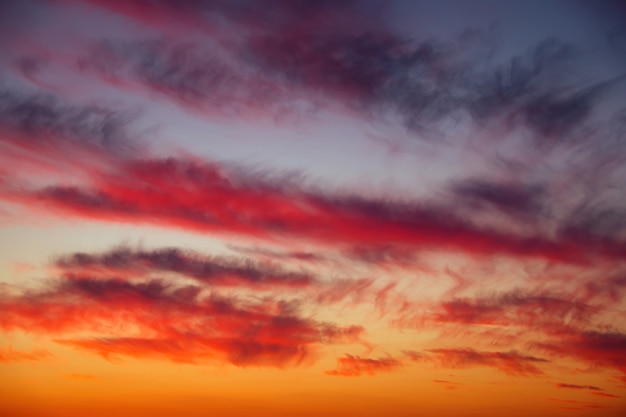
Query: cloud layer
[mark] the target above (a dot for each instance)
(514, 262)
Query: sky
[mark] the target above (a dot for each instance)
(312, 208)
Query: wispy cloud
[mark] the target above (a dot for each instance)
(605, 395)
(448, 384)
(600, 348)
(512, 363)
(209, 197)
(356, 366)
(576, 405)
(573, 386)
(352, 59)
(45, 125)
(537, 206)
(515, 308)
(10, 355)
(210, 270)
(154, 318)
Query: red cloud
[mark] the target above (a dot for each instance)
(606, 349)
(356, 366)
(209, 198)
(154, 318)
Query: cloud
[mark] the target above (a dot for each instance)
(265, 59)
(382, 255)
(343, 55)
(511, 363)
(10, 355)
(298, 58)
(195, 348)
(448, 384)
(576, 405)
(595, 347)
(123, 263)
(605, 395)
(209, 197)
(573, 386)
(413, 355)
(303, 256)
(195, 78)
(45, 122)
(46, 136)
(356, 366)
(556, 323)
(514, 199)
(440, 381)
(211, 270)
(543, 310)
(154, 318)
(514, 309)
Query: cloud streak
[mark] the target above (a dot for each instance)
(512, 363)
(515, 308)
(209, 270)
(573, 386)
(208, 197)
(351, 366)
(10, 355)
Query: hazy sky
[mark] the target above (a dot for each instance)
(312, 208)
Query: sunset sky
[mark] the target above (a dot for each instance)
(312, 208)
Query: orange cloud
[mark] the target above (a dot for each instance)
(356, 366)
(512, 363)
(10, 355)
(576, 405)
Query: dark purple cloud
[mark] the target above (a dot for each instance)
(210, 270)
